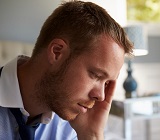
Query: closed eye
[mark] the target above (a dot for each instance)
(95, 76)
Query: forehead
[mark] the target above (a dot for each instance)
(106, 55)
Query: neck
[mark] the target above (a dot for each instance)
(27, 77)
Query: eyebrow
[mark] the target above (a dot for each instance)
(104, 73)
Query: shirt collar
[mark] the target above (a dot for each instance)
(10, 95)
(9, 87)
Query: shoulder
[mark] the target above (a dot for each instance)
(8, 125)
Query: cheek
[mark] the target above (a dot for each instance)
(79, 86)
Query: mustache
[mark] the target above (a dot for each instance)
(88, 104)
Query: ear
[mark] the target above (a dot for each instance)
(57, 50)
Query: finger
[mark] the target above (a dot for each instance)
(109, 92)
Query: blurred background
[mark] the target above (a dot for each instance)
(21, 21)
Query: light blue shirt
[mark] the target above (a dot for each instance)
(53, 127)
(57, 129)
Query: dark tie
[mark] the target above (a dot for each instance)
(26, 132)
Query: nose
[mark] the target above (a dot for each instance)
(98, 92)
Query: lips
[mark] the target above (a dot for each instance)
(85, 106)
(82, 108)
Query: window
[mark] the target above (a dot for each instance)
(143, 10)
(146, 12)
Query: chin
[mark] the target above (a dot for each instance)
(67, 116)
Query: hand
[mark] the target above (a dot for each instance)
(90, 125)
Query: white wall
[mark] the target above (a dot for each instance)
(21, 20)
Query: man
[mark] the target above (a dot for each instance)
(71, 75)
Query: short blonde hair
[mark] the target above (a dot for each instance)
(80, 23)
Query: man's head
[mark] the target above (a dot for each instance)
(79, 24)
(84, 50)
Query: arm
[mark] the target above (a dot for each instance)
(90, 126)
